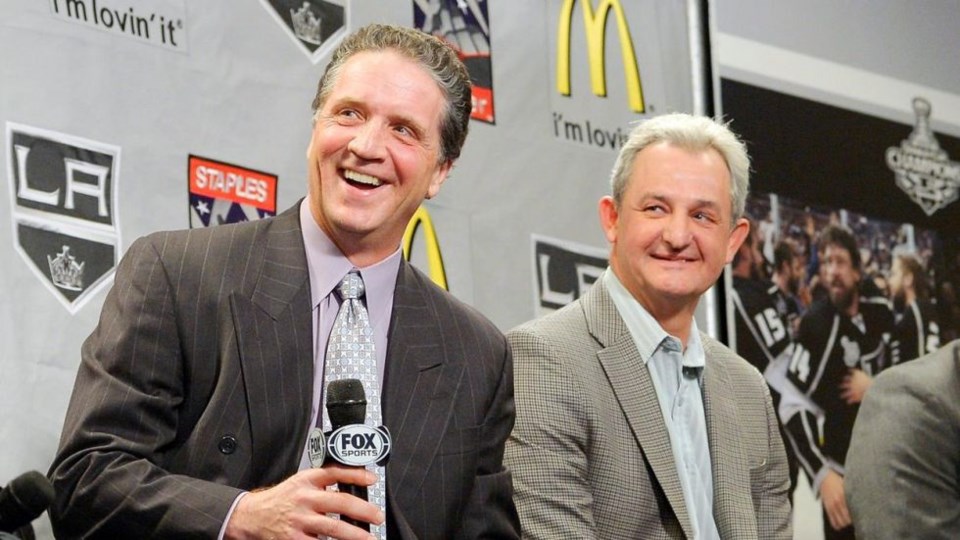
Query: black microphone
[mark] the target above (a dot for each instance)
(346, 405)
(23, 500)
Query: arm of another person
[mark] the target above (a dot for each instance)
(800, 413)
(547, 450)
(123, 417)
(490, 510)
(903, 463)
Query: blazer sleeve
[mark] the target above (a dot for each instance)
(547, 450)
(903, 466)
(122, 417)
(490, 511)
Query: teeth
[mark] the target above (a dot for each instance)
(361, 178)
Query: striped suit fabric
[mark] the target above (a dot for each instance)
(197, 382)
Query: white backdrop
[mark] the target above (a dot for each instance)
(129, 89)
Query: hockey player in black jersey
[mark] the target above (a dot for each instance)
(843, 340)
(917, 331)
(762, 334)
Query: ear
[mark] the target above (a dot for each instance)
(313, 136)
(439, 177)
(739, 233)
(608, 218)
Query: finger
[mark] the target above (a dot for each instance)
(344, 504)
(844, 514)
(332, 474)
(330, 527)
(834, 520)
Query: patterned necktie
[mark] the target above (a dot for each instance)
(351, 355)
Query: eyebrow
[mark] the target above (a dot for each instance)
(348, 101)
(697, 203)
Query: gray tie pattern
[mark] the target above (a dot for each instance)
(351, 355)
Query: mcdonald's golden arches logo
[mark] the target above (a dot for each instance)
(595, 28)
(435, 267)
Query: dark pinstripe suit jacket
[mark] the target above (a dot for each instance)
(197, 384)
(591, 456)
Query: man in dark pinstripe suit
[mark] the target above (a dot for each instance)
(196, 391)
(630, 422)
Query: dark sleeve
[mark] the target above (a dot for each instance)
(799, 410)
(810, 353)
(123, 415)
(490, 511)
(903, 464)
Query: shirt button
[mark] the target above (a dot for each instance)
(228, 444)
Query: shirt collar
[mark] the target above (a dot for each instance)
(646, 332)
(327, 266)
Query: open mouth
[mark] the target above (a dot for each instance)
(360, 180)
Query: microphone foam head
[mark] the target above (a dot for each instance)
(24, 498)
(346, 402)
(32, 490)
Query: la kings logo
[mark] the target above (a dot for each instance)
(316, 26)
(922, 169)
(64, 210)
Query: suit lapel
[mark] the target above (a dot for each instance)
(419, 387)
(733, 501)
(633, 387)
(275, 342)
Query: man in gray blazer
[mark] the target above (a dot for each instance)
(631, 423)
(197, 389)
(903, 465)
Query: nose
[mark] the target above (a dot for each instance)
(676, 231)
(367, 141)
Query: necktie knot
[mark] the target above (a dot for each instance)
(351, 286)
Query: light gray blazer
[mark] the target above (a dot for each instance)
(590, 452)
(903, 465)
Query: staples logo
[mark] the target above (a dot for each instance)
(224, 193)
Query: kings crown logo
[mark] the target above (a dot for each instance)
(921, 168)
(306, 25)
(65, 271)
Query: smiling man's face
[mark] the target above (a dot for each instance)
(673, 231)
(374, 154)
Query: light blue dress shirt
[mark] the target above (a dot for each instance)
(681, 401)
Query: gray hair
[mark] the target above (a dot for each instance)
(691, 133)
(431, 53)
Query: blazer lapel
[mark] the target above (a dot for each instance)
(633, 387)
(733, 503)
(419, 387)
(275, 344)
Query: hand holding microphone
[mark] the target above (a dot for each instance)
(337, 457)
(350, 442)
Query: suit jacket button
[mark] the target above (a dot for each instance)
(228, 444)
